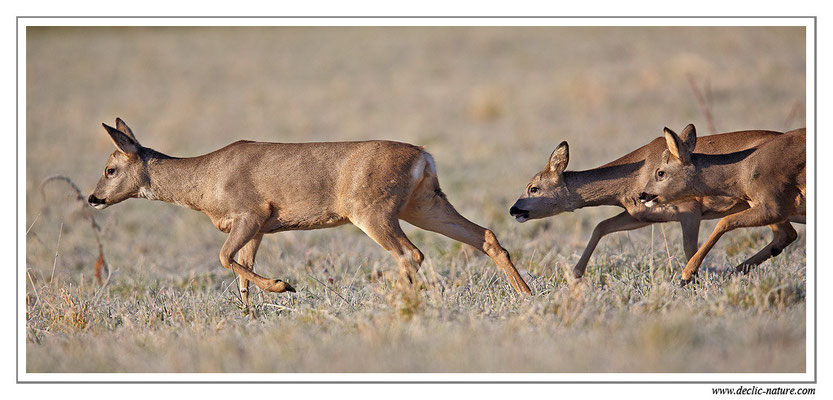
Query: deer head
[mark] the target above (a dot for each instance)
(547, 193)
(673, 178)
(125, 173)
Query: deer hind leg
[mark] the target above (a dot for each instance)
(783, 234)
(246, 257)
(386, 231)
(618, 223)
(755, 216)
(430, 210)
(243, 230)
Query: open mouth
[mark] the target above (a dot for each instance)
(649, 200)
(95, 202)
(520, 215)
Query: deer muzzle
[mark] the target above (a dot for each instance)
(97, 203)
(519, 214)
(649, 200)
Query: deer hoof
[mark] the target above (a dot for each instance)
(690, 279)
(289, 288)
(743, 269)
(279, 286)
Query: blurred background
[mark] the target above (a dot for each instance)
(490, 103)
(479, 99)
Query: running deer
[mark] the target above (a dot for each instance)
(770, 178)
(555, 190)
(249, 189)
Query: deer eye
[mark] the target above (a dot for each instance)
(533, 189)
(110, 171)
(660, 174)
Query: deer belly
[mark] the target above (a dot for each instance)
(286, 223)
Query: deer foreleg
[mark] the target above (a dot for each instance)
(246, 257)
(690, 226)
(242, 231)
(618, 223)
(756, 216)
(688, 213)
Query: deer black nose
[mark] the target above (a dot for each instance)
(517, 211)
(646, 198)
(94, 200)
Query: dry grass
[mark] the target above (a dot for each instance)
(490, 104)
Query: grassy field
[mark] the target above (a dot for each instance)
(490, 104)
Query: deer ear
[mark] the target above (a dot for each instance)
(559, 158)
(120, 125)
(676, 146)
(123, 142)
(689, 137)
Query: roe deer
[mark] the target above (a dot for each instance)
(249, 189)
(770, 178)
(618, 183)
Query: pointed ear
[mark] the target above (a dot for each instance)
(689, 137)
(120, 125)
(676, 146)
(559, 158)
(123, 142)
(672, 140)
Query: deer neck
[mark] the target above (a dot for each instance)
(598, 186)
(173, 180)
(716, 175)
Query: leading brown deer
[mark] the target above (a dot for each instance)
(555, 190)
(249, 189)
(770, 178)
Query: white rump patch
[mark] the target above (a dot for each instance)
(432, 168)
(419, 169)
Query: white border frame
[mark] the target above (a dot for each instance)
(723, 379)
